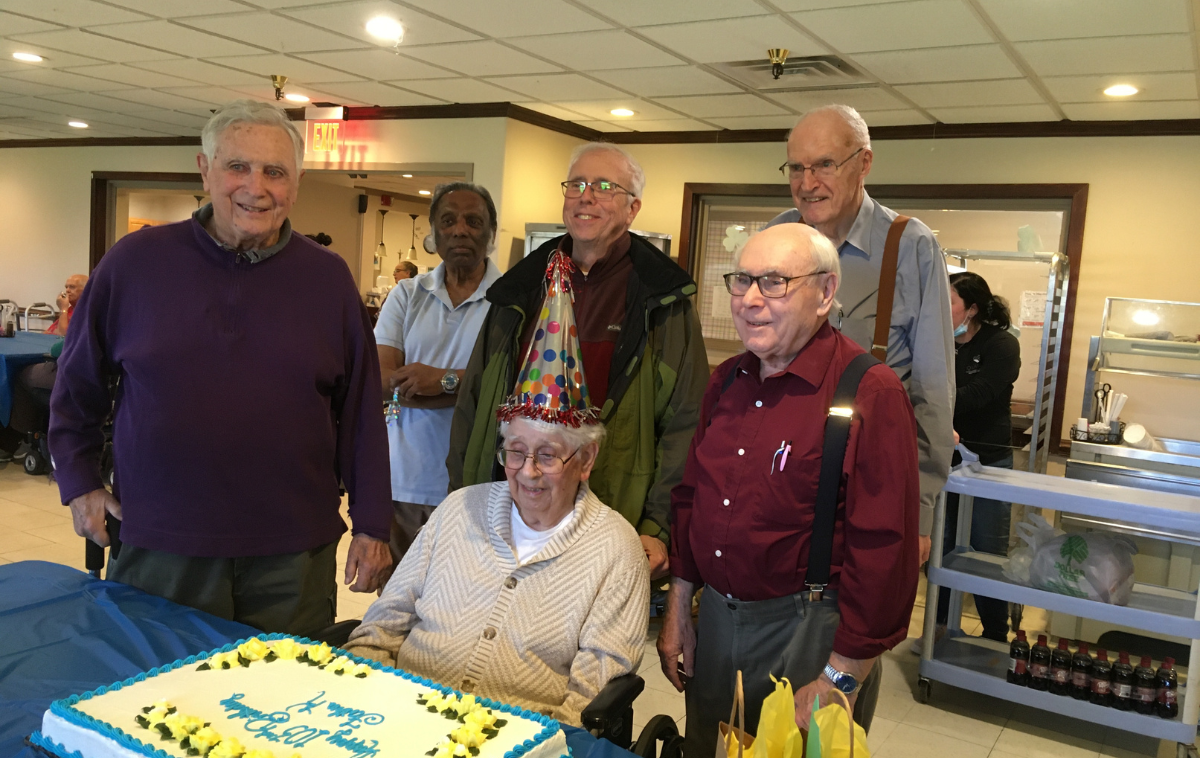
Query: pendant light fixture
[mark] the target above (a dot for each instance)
(381, 251)
(412, 247)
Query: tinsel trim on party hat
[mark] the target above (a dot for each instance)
(551, 385)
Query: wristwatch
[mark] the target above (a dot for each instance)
(843, 681)
(450, 382)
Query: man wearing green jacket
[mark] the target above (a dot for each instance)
(643, 354)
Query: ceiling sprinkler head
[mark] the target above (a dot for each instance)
(778, 56)
(278, 81)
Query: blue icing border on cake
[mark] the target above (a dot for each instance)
(50, 746)
(66, 710)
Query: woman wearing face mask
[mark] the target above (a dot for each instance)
(987, 359)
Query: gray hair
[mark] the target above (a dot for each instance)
(858, 127)
(637, 177)
(249, 112)
(572, 437)
(442, 190)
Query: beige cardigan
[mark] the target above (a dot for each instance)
(546, 636)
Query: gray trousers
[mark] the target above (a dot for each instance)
(785, 637)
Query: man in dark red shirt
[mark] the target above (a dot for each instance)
(742, 517)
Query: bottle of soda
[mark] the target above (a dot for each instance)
(1039, 665)
(1145, 689)
(1081, 673)
(1018, 660)
(1060, 669)
(1168, 686)
(1101, 679)
(1122, 683)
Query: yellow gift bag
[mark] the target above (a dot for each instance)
(827, 738)
(732, 741)
(778, 736)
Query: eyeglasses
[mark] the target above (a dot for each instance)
(770, 285)
(547, 463)
(601, 190)
(826, 169)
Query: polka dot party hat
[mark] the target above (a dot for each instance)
(551, 385)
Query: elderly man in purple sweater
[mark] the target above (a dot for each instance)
(248, 392)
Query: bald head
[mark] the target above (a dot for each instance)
(841, 121)
(74, 287)
(796, 243)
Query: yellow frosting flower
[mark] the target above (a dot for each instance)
(223, 660)
(482, 718)
(181, 726)
(253, 649)
(468, 735)
(156, 715)
(259, 754)
(361, 670)
(466, 705)
(320, 654)
(204, 739)
(163, 704)
(341, 663)
(287, 649)
(228, 748)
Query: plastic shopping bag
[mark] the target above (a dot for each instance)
(778, 736)
(1098, 566)
(732, 741)
(829, 738)
(1034, 531)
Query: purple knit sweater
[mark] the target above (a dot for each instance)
(247, 392)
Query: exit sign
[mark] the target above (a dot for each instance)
(324, 137)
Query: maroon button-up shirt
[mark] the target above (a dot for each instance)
(742, 522)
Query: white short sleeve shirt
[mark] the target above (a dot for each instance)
(418, 318)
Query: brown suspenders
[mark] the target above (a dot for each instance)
(887, 288)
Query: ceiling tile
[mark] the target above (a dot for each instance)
(673, 125)
(94, 46)
(756, 122)
(715, 106)
(93, 101)
(641, 13)
(732, 39)
(130, 77)
(964, 94)
(10, 88)
(166, 35)
(272, 32)
(376, 64)
(509, 19)
(1131, 110)
(20, 25)
(52, 58)
(600, 109)
(179, 8)
(481, 58)
(666, 80)
(154, 118)
(816, 5)
(557, 87)
(168, 100)
(351, 19)
(1109, 55)
(552, 110)
(374, 93)
(65, 80)
(924, 23)
(862, 98)
(293, 68)
(1090, 89)
(994, 114)
(200, 71)
(596, 50)
(939, 64)
(603, 126)
(1023, 20)
(459, 90)
(71, 12)
(205, 95)
(895, 118)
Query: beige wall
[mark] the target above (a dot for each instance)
(329, 208)
(535, 163)
(1142, 237)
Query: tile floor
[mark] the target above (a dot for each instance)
(34, 526)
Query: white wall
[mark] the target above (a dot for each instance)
(329, 208)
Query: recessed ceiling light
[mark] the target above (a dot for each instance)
(621, 112)
(28, 57)
(407, 176)
(295, 98)
(424, 192)
(1121, 90)
(77, 124)
(386, 28)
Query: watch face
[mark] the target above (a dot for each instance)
(846, 684)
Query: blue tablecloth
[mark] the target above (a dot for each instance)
(15, 354)
(63, 632)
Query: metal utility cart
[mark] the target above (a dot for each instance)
(981, 665)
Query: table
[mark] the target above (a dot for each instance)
(65, 632)
(22, 350)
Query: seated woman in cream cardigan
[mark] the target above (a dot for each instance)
(529, 591)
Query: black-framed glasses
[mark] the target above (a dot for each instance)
(547, 463)
(602, 189)
(826, 169)
(770, 285)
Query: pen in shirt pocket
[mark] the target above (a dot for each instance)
(781, 455)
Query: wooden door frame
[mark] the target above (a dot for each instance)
(1076, 194)
(102, 182)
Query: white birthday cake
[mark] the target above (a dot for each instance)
(277, 696)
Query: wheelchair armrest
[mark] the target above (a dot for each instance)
(337, 634)
(612, 708)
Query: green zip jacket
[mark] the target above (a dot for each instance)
(659, 372)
